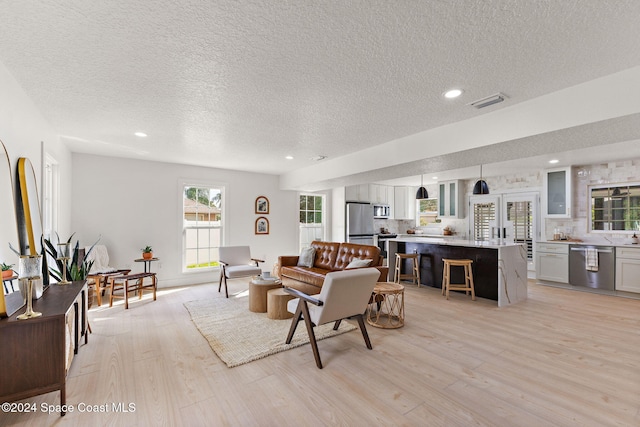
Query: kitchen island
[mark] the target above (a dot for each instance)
(499, 269)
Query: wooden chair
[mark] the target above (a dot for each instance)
(345, 294)
(236, 262)
(98, 277)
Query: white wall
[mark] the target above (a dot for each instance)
(24, 132)
(133, 203)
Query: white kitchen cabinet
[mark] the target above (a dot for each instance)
(557, 193)
(627, 269)
(357, 193)
(450, 199)
(404, 203)
(380, 194)
(371, 193)
(552, 262)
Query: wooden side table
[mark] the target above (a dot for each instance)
(258, 289)
(147, 263)
(390, 314)
(277, 300)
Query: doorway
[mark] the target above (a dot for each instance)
(312, 219)
(510, 216)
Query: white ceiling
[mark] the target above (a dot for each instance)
(240, 84)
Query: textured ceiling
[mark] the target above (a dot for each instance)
(239, 84)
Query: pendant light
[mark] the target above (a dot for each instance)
(422, 192)
(481, 186)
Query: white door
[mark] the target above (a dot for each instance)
(513, 217)
(484, 217)
(520, 221)
(312, 218)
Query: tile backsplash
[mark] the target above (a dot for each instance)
(584, 176)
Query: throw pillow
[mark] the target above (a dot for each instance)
(306, 257)
(359, 263)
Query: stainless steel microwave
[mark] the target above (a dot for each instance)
(381, 211)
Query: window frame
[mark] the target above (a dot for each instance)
(182, 185)
(433, 213)
(610, 186)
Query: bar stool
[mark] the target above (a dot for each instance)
(468, 277)
(415, 270)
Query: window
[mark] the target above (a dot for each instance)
(202, 226)
(312, 225)
(615, 208)
(427, 211)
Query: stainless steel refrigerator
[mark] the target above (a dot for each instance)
(360, 223)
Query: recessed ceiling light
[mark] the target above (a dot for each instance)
(140, 134)
(453, 93)
(289, 157)
(554, 161)
(434, 177)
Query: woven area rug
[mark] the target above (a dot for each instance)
(239, 336)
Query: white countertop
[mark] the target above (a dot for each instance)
(600, 243)
(489, 244)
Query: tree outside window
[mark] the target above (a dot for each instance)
(310, 209)
(428, 211)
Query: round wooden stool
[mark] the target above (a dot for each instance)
(258, 293)
(415, 269)
(277, 300)
(467, 286)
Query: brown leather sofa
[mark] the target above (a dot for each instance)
(329, 256)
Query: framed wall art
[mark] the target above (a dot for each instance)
(262, 205)
(262, 225)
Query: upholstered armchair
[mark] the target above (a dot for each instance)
(235, 262)
(345, 294)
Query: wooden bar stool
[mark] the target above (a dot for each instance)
(468, 277)
(415, 270)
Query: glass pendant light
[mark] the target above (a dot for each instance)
(422, 192)
(481, 186)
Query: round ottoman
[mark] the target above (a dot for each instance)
(277, 300)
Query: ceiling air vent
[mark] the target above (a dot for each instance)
(489, 100)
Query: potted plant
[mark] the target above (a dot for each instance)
(77, 269)
(147, 252)
(7, 272)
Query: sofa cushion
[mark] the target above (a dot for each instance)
(358, 263)
(306, 258)
(348, 251)
(313, 275)
(326, 253)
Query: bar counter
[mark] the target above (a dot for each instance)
(499, 269)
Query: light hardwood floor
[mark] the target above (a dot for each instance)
(561, 358)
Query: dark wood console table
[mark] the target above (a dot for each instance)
(37, 353)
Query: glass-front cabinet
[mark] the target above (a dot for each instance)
(450, 199)
(557, 188)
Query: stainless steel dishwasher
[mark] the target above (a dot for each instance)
(600, 277)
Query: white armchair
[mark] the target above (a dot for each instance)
(345, 294)
(236, 262)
